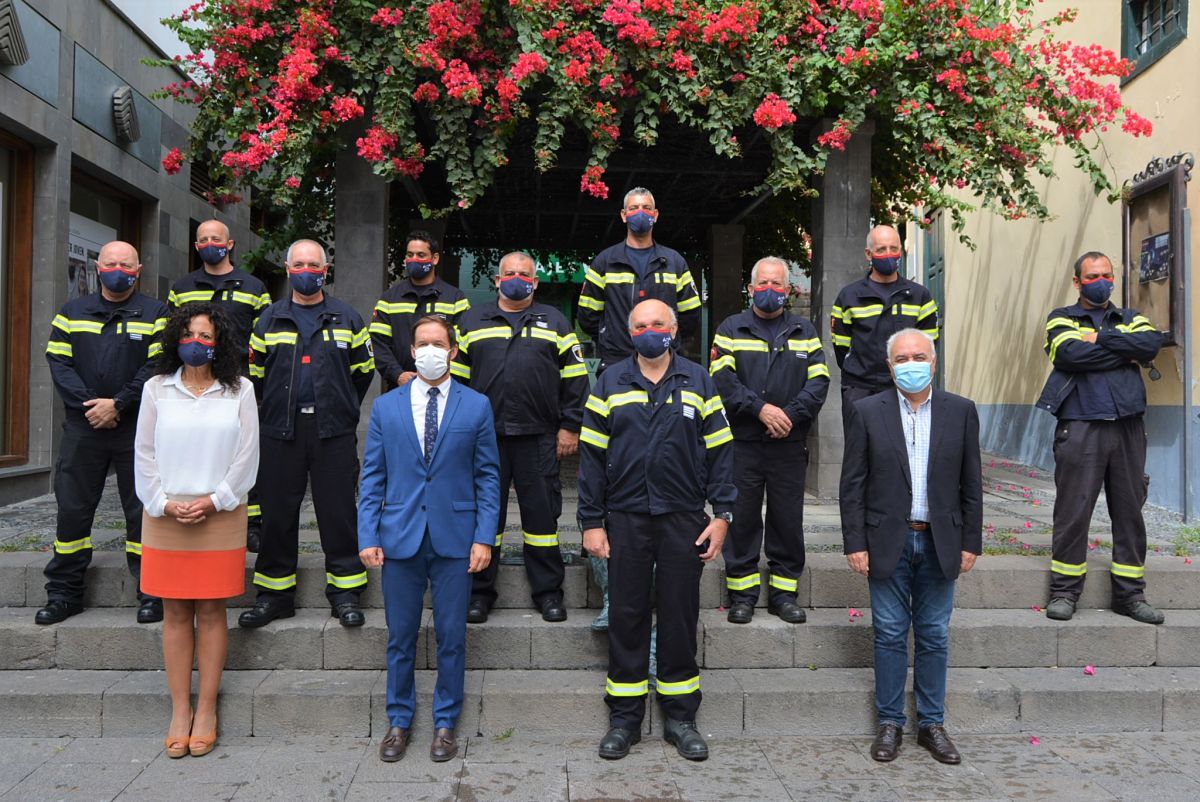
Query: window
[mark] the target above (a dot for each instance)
(1151, 28)
(16, 277)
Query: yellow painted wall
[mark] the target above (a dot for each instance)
(998, 296)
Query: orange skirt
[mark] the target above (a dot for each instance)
(201, 561)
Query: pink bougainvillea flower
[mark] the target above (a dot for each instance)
(1037, 608)
(1090, 670)
(1034, 741)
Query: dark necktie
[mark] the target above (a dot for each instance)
(430, 423)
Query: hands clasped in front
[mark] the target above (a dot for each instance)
(191, 512)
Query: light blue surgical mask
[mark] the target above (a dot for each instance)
(913, 377)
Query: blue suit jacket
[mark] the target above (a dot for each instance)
(457, 496)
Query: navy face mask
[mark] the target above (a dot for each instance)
(117, 280)
(885, 265)
(651, 342)
(417, 268)
(769, 299)
(1098, 290)
(307, 282)
(213, 254)
(516, 288)
(195, 351)
(639, 222)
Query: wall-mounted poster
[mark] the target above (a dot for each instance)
(86, 239)
(1155, 261)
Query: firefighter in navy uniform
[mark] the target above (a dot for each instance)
(872, 309)
(654, 446)
(311, 367)
(515, 351)
(240, 294)
(101, 351)
(421, 293)
(771, 371)
(1097, 394)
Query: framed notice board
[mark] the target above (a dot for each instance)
(1153, 204)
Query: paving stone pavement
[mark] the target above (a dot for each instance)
(1162, 767)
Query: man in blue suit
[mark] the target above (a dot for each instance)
(427, 512)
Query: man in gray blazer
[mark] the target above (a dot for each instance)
(912, 521)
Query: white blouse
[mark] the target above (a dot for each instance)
(190, 446)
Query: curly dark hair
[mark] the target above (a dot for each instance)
(227, 359)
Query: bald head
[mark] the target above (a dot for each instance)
(652, 314)
(882, 236)
(212, 231)
(119, 252)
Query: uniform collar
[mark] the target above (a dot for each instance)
(435, 289)
(202, 276)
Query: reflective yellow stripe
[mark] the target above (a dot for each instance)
(571, 371)
(1060, 339)
(72, 546)
(841, 339)
(626, 688)
(743, 582)
(731, 344)
(154, 350)
(398, 308)
(492, 332)
(361, 337)
(724, 362)
(254, 510)
(588, 302)
(837, 311)
(60, 348)
(499, 539)
(593, 437)
(619, 278)
(191, 296)
(345, 582)
(688, 304)
(544, 541)
(383, 329)
(933, 333)
(594, 277)
(718, 437)
(85, 326)
(542, 334)
(364, 367)
(807, 346)
(910, 309)
(664, 277)
(929, 308)
(783, 583)
(818, 370)
(159, 325)
(257, 372)
(567, 341)
(280, 338)
(133, 548)
(677, 688)
(631, 397)
(871, 310)
(1055, 322)
(1066, 569)
(258, 343)
(134, 327)
(338, 335)
(597, 405)
(1129, 571)
(460, 370)
(273, 583)
(713, 405)
(693, 400)
(249, 299)
(685, 280)
(61, 323)
(442, 308)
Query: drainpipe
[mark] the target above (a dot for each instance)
(1189, 339)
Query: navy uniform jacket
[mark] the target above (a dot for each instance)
(612, 287)
(239, 293)
(518, 370)
(402, 305)
(749, 371)
(654, 449)
(342, 368)
(101, 349)
(863, 319)
(1100, 380)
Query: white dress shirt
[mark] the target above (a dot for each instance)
(189, 445)
(420, 401)
(917, 423)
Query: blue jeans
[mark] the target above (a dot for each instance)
(916, 593)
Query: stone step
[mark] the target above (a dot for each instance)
(110, 639)
(555, 703)
(997, 582)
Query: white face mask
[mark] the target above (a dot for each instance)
(432, 362)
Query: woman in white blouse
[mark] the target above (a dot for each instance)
(197, 457)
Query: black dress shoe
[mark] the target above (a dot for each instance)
(477, 613)
(887, 743)
(740, 613)
(444, 746)
(788, 611)
(939, 744)
(617, 741)
(349, 614)
(265, 611)
(151, 612)
(57, 610)
(688, 742)
(1140, 610)
(553, 610)
(253, 537)
(393, 745)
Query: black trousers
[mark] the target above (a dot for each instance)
(531, 463)
(84, 458)
(285, 468)
(1089, 455)
(852, 394)
(638, 544)
(777, 468)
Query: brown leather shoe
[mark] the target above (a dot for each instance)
(444, 746)
(887, 742)
(393, 745)
(939, 744)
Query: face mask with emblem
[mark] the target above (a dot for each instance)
(196, 351)
(307, 281)
(1098, 290)
(652, 342)
(639, 222)
(117, 279)
(418, 268)
(516, 288)
(213, 254)
(885, 265)
(768, 299)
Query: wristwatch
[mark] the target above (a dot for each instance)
(118, 405)
(727, 517)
